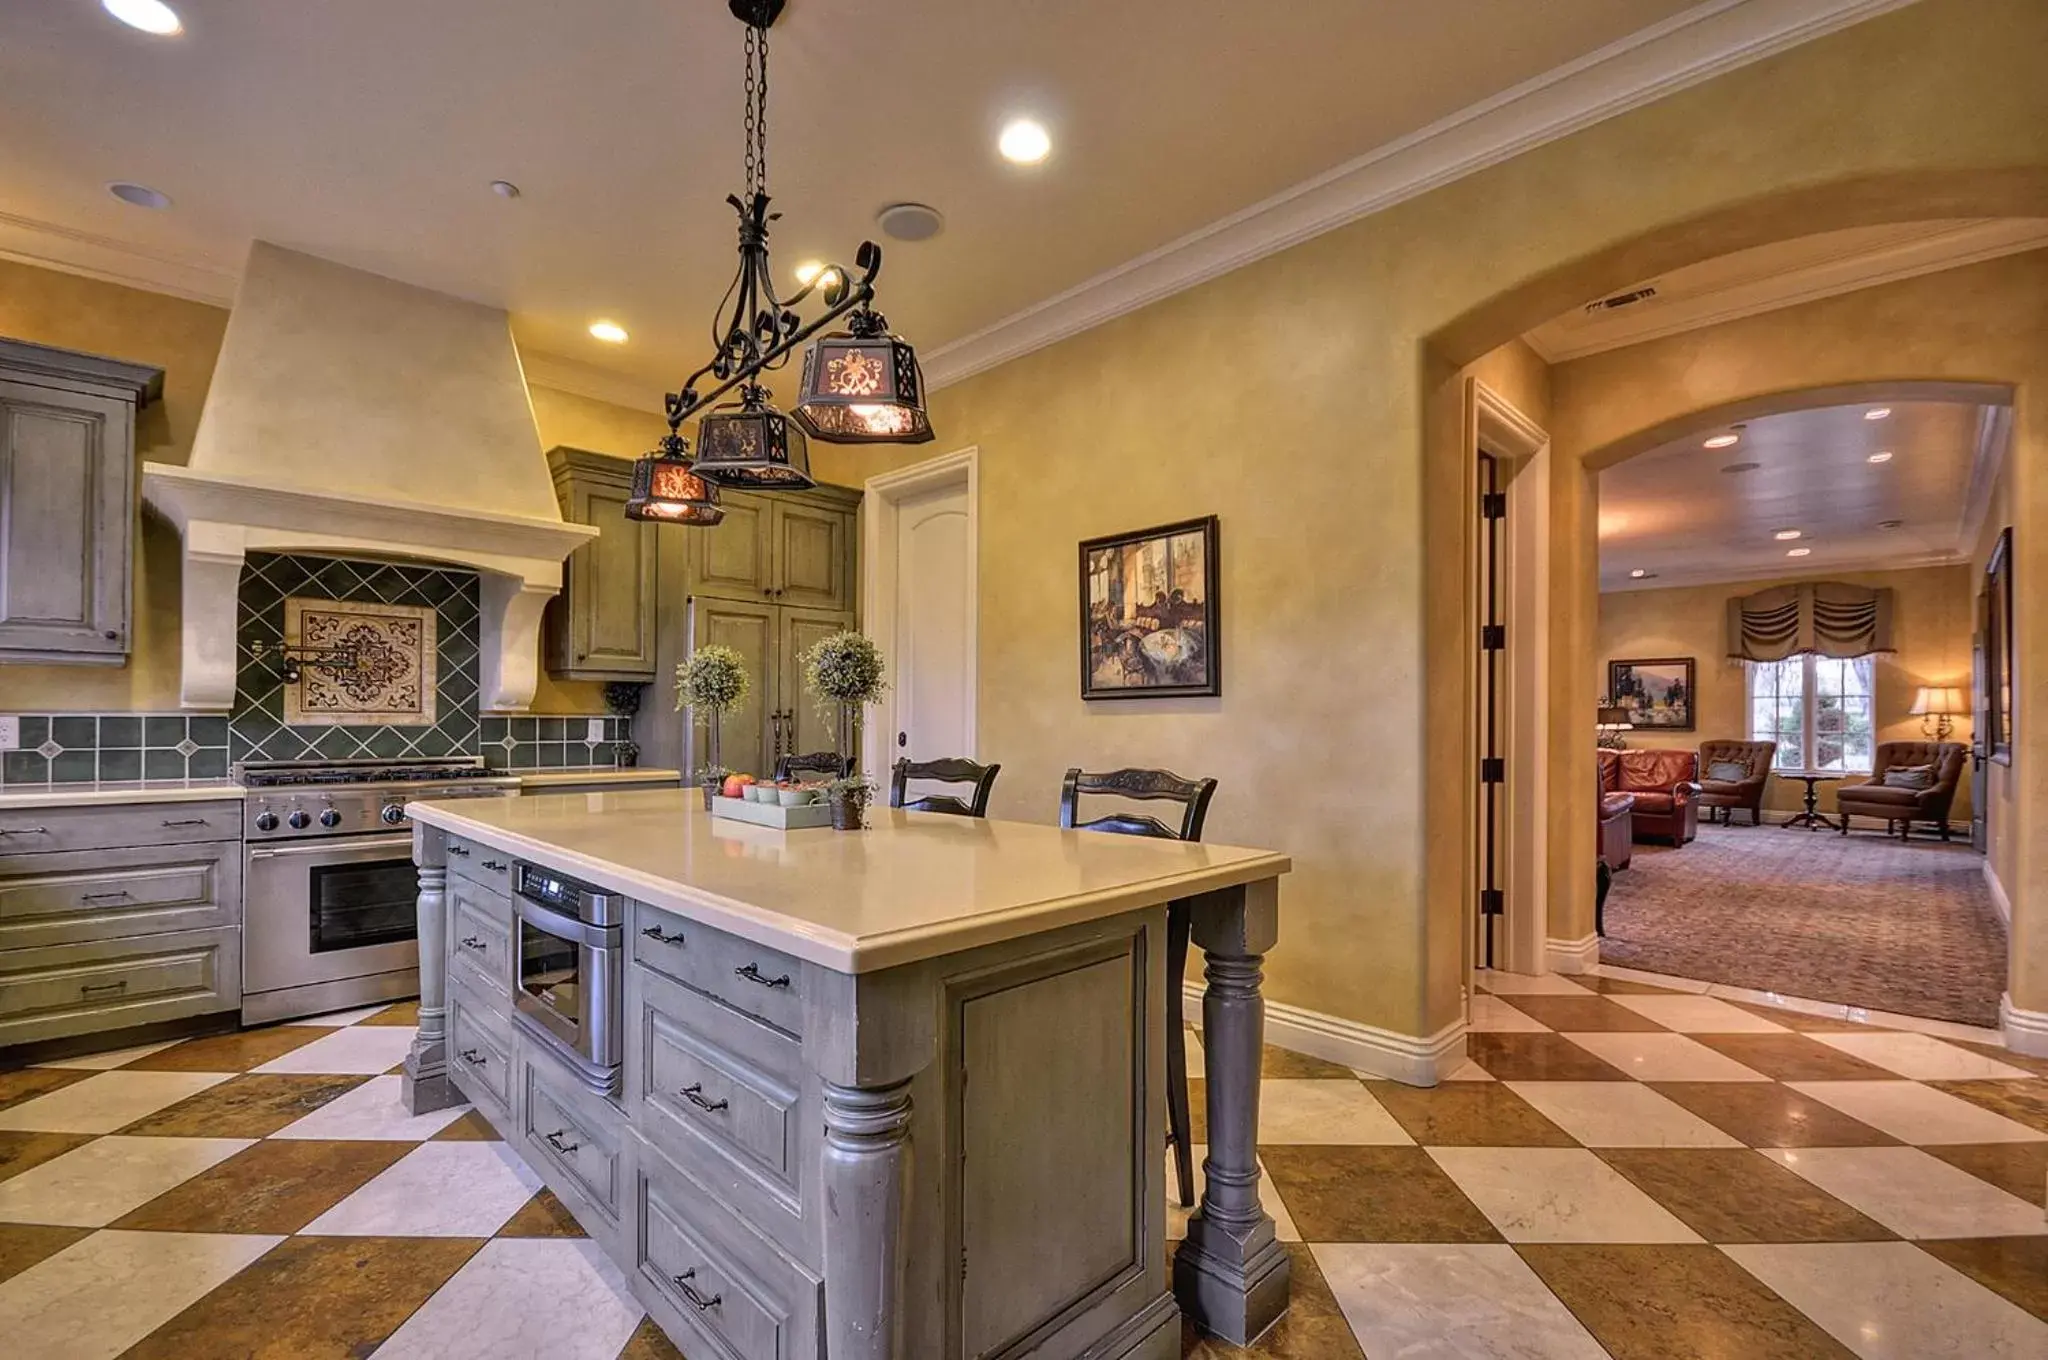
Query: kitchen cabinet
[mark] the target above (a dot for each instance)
(602, 625)
(67, 502)
(794, 548)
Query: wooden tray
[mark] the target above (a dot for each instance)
(772, 814)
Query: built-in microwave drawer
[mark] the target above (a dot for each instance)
(110, 894)
(480, 1048)
(480, 936)
(699, 1268)
(574, 1133)
(480, 863)
(744, 975)
(37, 830)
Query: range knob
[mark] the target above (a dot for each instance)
(393, 814)
(299, 820)
(330, 818)
(266, 821)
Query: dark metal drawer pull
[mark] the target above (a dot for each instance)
(472, 942)
(24, 831)
(752, 973)
(694, 1093)
(474, 1058)
(492, 864)
(116, 896)
(654, 933)
(458, 850)
(555, 1141)
(701, 1303)
(103, 989)
(187, 821)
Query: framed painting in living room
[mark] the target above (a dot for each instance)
(1150, 624)
(1996, 626)
(1657, 692)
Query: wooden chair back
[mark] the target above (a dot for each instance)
(949, 770)
(1193, 795)
(828, 763)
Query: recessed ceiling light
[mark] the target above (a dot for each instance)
(1741, 467)
(1722, 441)
(151, 16)
(504, 188)
(1024, 142)
(1877, 413)
(1884, 457)
(1785, 535)
(611, 332)
(1798, 552)
(1638, 574)
(141, 195)
(1891, 524)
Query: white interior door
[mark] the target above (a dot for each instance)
(934, 701)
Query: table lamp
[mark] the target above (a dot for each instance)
(1936, 706)
(1613, 722)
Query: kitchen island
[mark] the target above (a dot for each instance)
(887, 1094)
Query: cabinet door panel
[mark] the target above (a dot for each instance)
(808, 728)
(64, 522)
(614, 621)
(732, 560)
(810, 556)
(745, 736)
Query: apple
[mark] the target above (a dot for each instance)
(735, 786)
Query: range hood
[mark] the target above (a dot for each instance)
(353, 415)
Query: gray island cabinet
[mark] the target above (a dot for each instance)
(888, 1095)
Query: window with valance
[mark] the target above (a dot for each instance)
(1810, 652)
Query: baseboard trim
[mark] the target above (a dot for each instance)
(1367, 1049)
(1572, 956)
(2025, 1031)
(2000, 903)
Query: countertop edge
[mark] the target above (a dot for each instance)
(600, 774)
(95, 795)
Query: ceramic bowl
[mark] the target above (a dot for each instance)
(760, 793)
(793, 797)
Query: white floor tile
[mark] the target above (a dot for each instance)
(1922, 1057)
(1666, 980)
(91, 1186)
(523, 1299)
(1940, 1029)
(1491, 1015)
(456, 1189)
(336, 1019)
(1269, 1199)
(1479, 1302)
(1467, 1070)
(1698, 1015)
(99, 1296)
(1529, 984)
(355, 1049)
(1557, 1195)
(1619, 1114)
(1316, 1111)
(1918, 1114)
(1664, 1057)
(106, 1102)
(1832, 1010)
(1892, 1301)
(101, 1062)
(374, 1111)
(1912, 1193)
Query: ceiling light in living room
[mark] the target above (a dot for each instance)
(1798, 552)
(1877, 413)
(611, 332)
(1723, 441)
(1024, 142)
(1882, 457)
(1786, 535)
(151, 16)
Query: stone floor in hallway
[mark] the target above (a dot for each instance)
(1624, 1168)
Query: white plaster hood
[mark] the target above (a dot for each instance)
(352, 414)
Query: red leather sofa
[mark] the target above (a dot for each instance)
(1617, 828)
(1666, 788)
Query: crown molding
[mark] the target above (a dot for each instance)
(1716, 576)
(586, 380)
(28, 241)
(1684, 50)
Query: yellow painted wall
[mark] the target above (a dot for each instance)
(1932, 623)
(2001, 783)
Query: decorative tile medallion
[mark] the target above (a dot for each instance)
(373, 664)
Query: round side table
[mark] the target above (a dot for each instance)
(1813, 819)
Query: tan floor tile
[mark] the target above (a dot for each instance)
(2017, 1168)
(31, 1082)
(312, 1298)
(1313, 1329)
(1582, 1014)
(1538, 1057)
(20, 1151)
(2024, 1101)
(1767, 1114)
(105, 1293)
(2016, 1267)
(1468, 1114)
(253, 1105)
(24, 1244)
(275, 1186)
(648, 1342)
(1372, 1194)
(1676, 1302)
(404, 1013)
(543, 1216)
(229, 1052)
(471, 1128)
(1285, 1063)
(1737, 1195)
(106, 1101)
(1792, 1057)
(2025, 1061)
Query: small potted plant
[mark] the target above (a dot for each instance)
(712, 683)
(844, 670)
(849, 799)
(712, 777)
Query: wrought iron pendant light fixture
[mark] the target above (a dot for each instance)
(667, 490)
(861, 385)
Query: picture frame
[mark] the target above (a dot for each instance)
(1151, 621)
(1659, 693)
(1995, 609)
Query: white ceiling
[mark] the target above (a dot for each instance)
(1674, 513)
(367, 130)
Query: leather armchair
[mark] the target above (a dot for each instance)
(1617, 829)
(1902, 807)
(1666, 789)
(1729, 794)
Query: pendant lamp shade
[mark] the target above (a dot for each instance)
(863, 386)
(668, 491)
(751, 444)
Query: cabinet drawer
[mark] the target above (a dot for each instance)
(696, 1264)
(36, 830)
(746, 976)
(67, 989)
(57, 899)
(480, 937)
(574, 1133)
(480, 1047)
(480, 864)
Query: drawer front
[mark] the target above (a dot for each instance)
(576, 1135)
(480, 937)
(69, 989)
(746, 976)
(694, 1262)
(60, 898)
(39, 830)
(480, 1047)
(480, 864)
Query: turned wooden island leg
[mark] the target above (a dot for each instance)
(427, 1087)
(1231, 1274)
(866, 1184)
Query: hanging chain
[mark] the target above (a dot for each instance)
(757, 111)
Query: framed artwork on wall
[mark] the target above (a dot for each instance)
(1657, 693)
(1149, 617)
(1995, 676)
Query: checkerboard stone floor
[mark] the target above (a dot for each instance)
(1622, 1169)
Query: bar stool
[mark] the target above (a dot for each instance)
(950, 770)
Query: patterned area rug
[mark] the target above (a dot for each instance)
(1863, 920)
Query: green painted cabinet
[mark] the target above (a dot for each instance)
(602, 625)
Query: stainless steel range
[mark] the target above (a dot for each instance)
(329, 889)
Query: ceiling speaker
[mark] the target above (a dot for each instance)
(910, 221)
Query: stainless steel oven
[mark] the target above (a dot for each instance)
(569, 953)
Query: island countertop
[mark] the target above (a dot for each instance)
(913, 886)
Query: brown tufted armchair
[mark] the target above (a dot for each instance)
(1729, 794)
(1902, 807)
(1666, 786)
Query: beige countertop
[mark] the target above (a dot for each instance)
(913, 886)
(553, 775)
(131, 791)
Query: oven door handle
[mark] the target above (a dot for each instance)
(564, 927)
(380, 847)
